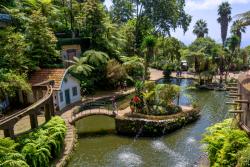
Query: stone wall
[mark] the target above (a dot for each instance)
(146, 127)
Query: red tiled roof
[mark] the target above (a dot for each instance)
(43, 75)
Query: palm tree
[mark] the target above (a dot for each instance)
(224, 13)
(244, 18)
(200, 28)
(89, 59)
(149, 42)
(80, 65)
(232, 43)
(95, 58)
(237, 29)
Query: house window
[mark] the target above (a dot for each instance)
(61, 96)
(74, 90)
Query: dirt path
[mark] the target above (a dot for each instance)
(155, 74)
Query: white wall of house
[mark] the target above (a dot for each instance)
(71, 86)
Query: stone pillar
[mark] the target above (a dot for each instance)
(47, 112)
(9, 132)
(33, 121)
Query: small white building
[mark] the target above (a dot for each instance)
(66, 87)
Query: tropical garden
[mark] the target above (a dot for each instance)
(119, 45)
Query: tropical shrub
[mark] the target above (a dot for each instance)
(44, 144)
(167, 70)
(134, 66)
(155, 99)
(137, 104)
(9, 157)
(244, 157)
(115, 72)
(224, 143)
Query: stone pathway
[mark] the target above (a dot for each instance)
(70, 139)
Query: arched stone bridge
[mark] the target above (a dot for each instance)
(7, 123)
(92, 112)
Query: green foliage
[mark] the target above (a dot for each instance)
(122, 10)
(165, 93)
(223, 143)
(149, 41)
(13, 59)
(206, 44)
(157, 98)
(245, 18)
(14, 64)
(170, 49)
(232, 43)
(164, 19)
(11, 81)
(85, 64)
(95, 58)
(200, 28)
(115, 72)
(94, 17)
(9, 157)
(42, 41)
(134, 66)
(80, 66)
(224, 13)
(243, 157)
(44, 144)
(168, 69)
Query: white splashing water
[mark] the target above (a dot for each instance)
(203, 146)
(130, 159)
(178, 158)
(190, 140)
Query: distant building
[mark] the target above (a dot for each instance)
(5, 20)
(66, 87)
(69, 52)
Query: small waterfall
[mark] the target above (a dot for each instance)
(138, 134)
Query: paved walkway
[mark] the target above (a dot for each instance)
(155, 74)
(69, 141)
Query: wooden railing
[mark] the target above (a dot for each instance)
(13, 118)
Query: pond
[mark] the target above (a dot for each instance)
(99, 146)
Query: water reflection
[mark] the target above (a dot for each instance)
(180, 148)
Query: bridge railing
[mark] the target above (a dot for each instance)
(30, 108)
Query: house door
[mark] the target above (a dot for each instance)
(67, 97)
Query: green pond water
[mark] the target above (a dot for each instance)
(99, 146)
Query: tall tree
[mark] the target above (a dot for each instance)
(122, 10)
(93, 22)
(42, 49)
(237, 29)
(200, 28)
(245, 18)
(163, 15)
(224, 13)
(13, 47)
